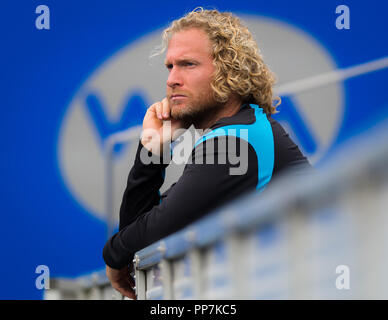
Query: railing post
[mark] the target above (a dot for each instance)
(140, 280)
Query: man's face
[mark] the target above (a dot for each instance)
(191, 70)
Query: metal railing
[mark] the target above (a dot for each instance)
(325, 236)
(322, 236)
(93, 286)
(231, 252)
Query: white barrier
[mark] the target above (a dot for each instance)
(94, 286)
(304, 239)
(318, 237)
(321, 237)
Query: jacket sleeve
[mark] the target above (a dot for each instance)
(143, 184)
(202, 187)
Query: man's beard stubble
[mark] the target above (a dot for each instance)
(196, 111)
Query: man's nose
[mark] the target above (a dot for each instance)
(174, 78)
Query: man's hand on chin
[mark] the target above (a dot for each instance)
(122, 281)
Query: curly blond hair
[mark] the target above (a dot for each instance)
(239, 65)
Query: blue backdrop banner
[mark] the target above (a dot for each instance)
(75, 72)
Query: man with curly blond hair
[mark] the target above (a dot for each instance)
(218, 83)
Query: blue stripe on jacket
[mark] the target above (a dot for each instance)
(259, 135)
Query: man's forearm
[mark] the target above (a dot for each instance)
(201, 188)
(142, 190)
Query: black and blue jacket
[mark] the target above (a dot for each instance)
(264, 150)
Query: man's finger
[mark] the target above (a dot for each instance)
(158, 109)
(165, 108)
(131, 281)
(128, 294)
(126, 290)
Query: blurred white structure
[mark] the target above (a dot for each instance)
(317, 237)
(322, 236)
